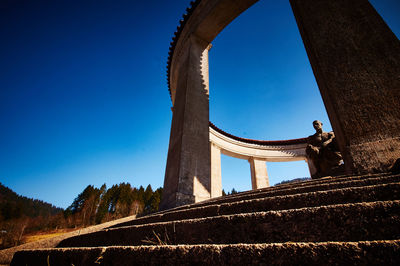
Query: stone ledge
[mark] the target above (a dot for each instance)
(284, 190)
(325, 253)
(380, 192)
(342, 222)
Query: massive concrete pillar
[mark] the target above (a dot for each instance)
(356, 61)
(187, 175)
(216, 181)
(259, 175)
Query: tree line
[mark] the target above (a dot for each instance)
(99, 205)
(20, 215)
(233, 191)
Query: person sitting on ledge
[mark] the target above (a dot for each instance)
(323, 151)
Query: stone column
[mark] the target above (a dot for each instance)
(216, 182)
(187, 175)
(311, 167)
(356, 62)
(259, 175)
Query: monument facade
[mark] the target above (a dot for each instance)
(355, 58)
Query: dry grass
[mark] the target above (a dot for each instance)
(43, 235)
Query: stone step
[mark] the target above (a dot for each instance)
(298, 187)
(328, 179)
(343, 222)
(381, 192)
(325, 253)
(305, 187)
(7, 254)
(282, 186)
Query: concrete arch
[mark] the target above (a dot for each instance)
(203, 21)
(355, 59)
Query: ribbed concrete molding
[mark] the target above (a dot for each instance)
(271, 151)
(356, 66)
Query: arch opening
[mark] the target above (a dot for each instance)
(264, 94)
(235, 174)
(258, 93)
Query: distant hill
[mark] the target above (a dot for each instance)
(14, 206)
(293, 180)
(20, 215)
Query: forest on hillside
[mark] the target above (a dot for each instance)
(99, 205)
(20, 216)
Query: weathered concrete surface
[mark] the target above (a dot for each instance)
(188, 171)
(371, 221)
(328, 253)
(342, 222)
(380, 192)
(287, 189)
(7, 254)
(187, 175)
(302, 187)
(356, 61)
(327, 183)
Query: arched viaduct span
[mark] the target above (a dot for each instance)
(355, 58)
(256, 152)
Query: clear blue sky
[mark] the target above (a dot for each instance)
(84, 98)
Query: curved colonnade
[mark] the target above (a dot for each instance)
(256, 152)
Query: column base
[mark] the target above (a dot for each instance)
(373, 157)
(175, 200)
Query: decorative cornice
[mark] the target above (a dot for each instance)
(260, 142)
(175, 38)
